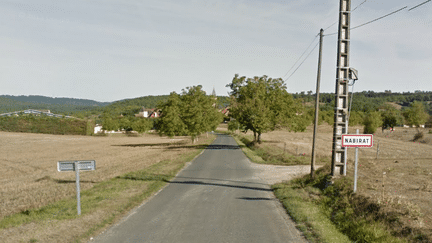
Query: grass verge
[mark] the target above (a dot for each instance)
(111, 199)
(327, 211)
(274, 155)
(331, 212)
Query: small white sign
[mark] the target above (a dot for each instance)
(356, 140)
(77, 165)
(70, 165)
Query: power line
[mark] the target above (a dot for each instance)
(379, 18)
(302, 62)
(360, 5)
(317, 44)
(331, 25)
(419, 5)
(301, 56)
(351, 12)
(358, 26)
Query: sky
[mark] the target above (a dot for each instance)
(108, 50)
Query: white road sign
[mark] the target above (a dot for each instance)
(357, 140)
(70, 165)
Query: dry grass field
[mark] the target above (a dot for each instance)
(28, 164)
(399, 177)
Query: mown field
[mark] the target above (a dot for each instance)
(38, 203)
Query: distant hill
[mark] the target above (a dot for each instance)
(64, 106)
(37, 99)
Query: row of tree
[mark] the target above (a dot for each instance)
(262, 104)
(369, 101)
(258, 104)
(190, 113)
(389, 117)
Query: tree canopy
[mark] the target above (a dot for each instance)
(191, 113)
(262, 104)
(415, 115)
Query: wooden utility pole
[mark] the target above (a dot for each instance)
(341, 98)
(317, 104)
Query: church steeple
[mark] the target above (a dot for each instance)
(213, 92)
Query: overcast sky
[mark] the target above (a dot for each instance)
(109, 50)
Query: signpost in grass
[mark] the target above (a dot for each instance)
(357, 140)
(76, 165)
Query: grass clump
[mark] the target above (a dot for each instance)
(325, 210)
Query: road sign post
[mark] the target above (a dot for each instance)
(76, 165)
(356, 141)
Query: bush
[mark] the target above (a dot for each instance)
(371, 122)
(233, 125)
(419, 135)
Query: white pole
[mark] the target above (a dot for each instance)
(355, 166)
(78, 187)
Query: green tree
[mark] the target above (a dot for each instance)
(262, 104)
(356, 118)
(415, 114)
(170, 122)
(141, 125)
(125, 123)
(234, 125)
(109, 124)
(371, 122)
(391, 117)
(191, 113)
(199, 113)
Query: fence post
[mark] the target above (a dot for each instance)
(355, 166)
(378, 148)
(76, 164)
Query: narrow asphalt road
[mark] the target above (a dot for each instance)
(217, 198)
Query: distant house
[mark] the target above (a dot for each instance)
(147, 113)
(98, 128)
(225, 111)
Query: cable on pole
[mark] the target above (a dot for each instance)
(379, 18)
(351, 12)
(358, 26)
(419, 5)
(302, 62)
(331, 25)
(360, 5)
(301, 55)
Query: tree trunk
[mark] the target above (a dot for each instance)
(255, 136)
(259, 138)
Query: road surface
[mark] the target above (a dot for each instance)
(217, 198)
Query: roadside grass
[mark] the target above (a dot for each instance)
(268, 154)
(327, 211)
(114, 197)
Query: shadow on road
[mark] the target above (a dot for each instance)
(195, 182)
(174, 146)
(256, 198)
